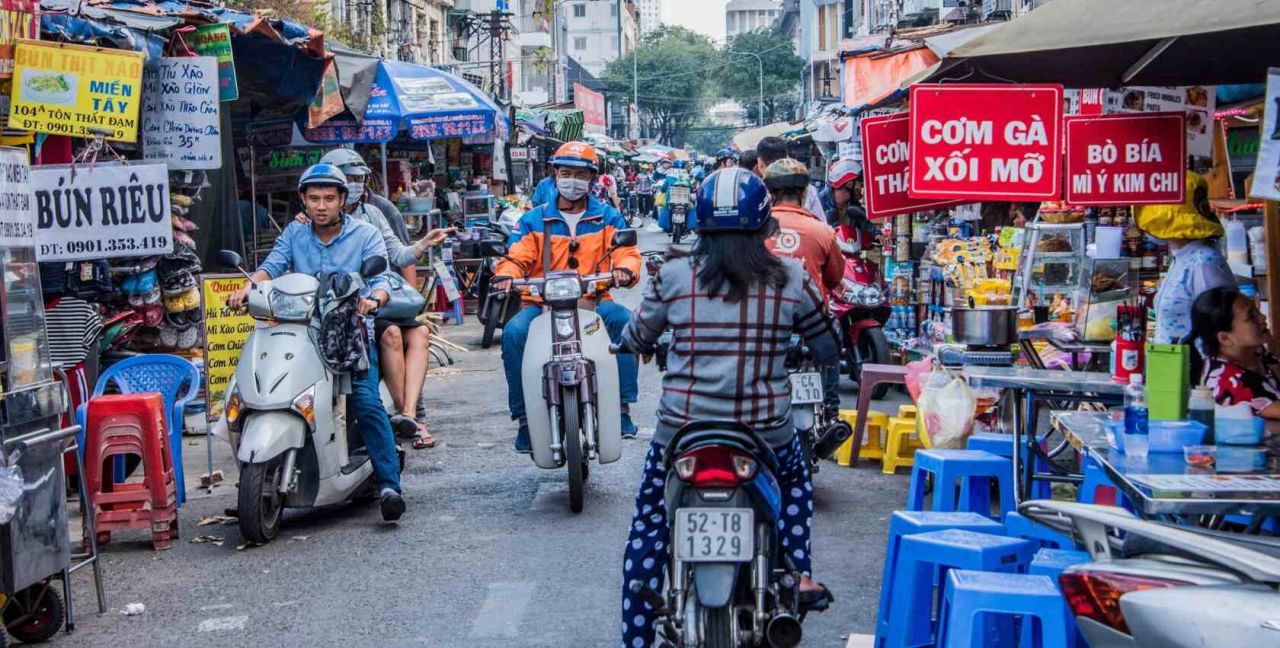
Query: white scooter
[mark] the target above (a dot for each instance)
(295, 444)
(567, 365)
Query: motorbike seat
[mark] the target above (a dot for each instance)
(731, 433)
(1136, 545)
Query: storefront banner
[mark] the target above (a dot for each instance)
(17, 227)
(76, 90)
(450, 125)
(885, 163)
(101, 211)
(215, 40)
(180, 125)
(18, 19)
(986, 142)
(1126, 159)
(225, 332)
(591, 103)
(344, 131)
(1266, 174)
(1197, 102)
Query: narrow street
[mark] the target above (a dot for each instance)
(488, 554)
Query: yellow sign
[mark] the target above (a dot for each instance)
(225, 332)
(76, 90)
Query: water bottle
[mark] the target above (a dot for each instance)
(1200, 408)
(1136, 440)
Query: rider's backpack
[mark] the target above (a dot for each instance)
(339, 329)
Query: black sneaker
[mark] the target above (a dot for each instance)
(392, 505)
(404, 426)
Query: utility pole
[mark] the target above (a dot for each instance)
(760, 108)
(635, 87)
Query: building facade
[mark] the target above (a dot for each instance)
(599, 31)
(648, 15)
(749, 15)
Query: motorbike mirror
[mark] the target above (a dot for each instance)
(373, 266)
(493, 249)
(625, 238)
(228, 259)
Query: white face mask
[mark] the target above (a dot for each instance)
(355, 191)
(572, 189)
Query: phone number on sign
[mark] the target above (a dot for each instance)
(138, 246)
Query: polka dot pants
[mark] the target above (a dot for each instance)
(647, 550)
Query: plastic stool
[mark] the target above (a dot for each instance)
(1098, 488)
(907, 411)
(131, 424)
(911, 600)
(877, 425)
(872, 375)
(1017, 525)
(901, 445)
(972, 598)
(994, 442)
(907, 523)
(1051, 563)
(973, 468)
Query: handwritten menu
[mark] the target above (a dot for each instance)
(180, 111)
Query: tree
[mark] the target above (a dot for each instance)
(672, 76)
(740, 78)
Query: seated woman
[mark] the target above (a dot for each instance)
(1231, 336)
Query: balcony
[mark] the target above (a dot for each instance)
(533, 32)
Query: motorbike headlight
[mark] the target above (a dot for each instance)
(564, 326)
(285, 306)
(233, 407)
(305, 406)
(563, 288)
(870, 296)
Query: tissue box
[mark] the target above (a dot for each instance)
(1168, 381)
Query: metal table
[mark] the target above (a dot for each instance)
(1032, 387)
(1062, 340)
(1164, 483)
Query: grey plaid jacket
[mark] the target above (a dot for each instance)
(727, 361)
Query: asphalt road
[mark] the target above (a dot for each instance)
(488, 554)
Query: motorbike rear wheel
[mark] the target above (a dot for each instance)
(490, 325)
(573, 454)
(260, 500)
(677, 233)
(873, 348)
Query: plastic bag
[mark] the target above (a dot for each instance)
(946, 407)
(11, 487)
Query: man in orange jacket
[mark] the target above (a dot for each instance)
(579, 228)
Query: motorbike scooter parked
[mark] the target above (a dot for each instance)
(1160, 585)
(681, 203)
(567, 366)
(862, 308)
(820, 429)
(294, 441)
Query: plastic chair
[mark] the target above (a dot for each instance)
(977, 603)
(911, 600)
(974, 470)
(161, 373)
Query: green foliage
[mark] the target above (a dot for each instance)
(672, 76)
(740, 80)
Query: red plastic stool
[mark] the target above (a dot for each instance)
(131, 424)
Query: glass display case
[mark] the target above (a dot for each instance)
(1051, 264)
(1105, 284)
(25, 344)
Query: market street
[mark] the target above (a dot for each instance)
(488, 554)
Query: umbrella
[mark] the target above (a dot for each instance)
(1113, 43)
(426, 102)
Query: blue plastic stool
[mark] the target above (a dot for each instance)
(972, 598)
(1018, 526)
(907, 523)
(1051, 563)
(1002, 444)
(911, 600)
(973, 469)
(1094, 478)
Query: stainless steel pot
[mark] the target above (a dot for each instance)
(985, 325)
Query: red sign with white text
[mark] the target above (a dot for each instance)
(1135, 159)
(591, 103)
(885, 161)
(986, 142)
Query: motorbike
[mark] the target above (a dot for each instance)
(1156, 584)
(729, 582)
(496, 309)
(573, 373)
(653, 263)
(681, 203)
(862, 308)
(295, 443)
(819, 428)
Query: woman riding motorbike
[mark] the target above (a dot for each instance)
(728, 283)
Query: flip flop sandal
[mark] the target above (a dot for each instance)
(424, 440)
(817, 600)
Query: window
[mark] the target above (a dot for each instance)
(580, 43)
(579, 11)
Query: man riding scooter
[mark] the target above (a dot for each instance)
(334, 243)
(579, 230)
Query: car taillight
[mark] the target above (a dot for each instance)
(1096, 594)
(715, 467)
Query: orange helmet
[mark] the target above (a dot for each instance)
(577, 154)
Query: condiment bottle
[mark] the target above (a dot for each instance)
(1200, 408)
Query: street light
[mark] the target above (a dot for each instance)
(760, 109)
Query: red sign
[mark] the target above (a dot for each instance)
(1135, 159)
(986, 142)
(885, 160)
(591, 103)
(18, 19)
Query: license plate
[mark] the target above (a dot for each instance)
(714, 534)
(677, 218)
(806, 388)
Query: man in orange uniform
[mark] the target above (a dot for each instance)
(580, 231)
(806, 236)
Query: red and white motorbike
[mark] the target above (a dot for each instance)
(861, 305)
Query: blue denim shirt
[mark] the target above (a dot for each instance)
(297, 249)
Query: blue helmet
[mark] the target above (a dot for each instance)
(323, 175)
(680, 163)
(726, 154)
(732, 199)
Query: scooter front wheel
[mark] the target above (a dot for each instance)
(573, 448)
(260, 499)
(719, 628)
